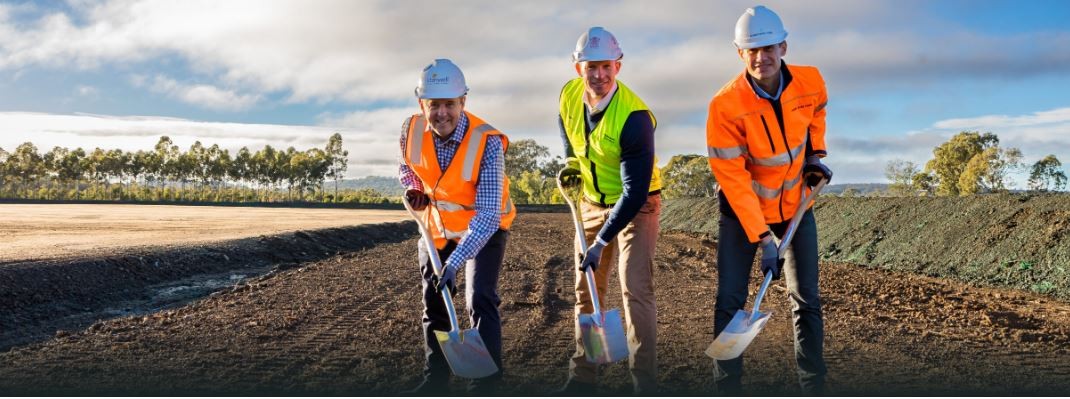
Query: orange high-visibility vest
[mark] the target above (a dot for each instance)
(759, 164)
(453, 191)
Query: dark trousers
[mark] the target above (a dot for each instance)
(735, 257)
(481, 293)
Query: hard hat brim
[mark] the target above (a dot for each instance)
(761, 43)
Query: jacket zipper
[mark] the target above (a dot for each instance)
(779, 111)
(780, 203)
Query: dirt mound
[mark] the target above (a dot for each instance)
(349, 324)
(1016, 241)
(39, 298)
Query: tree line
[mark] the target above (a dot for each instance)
(167, 173)
(971, 163)
(968, 163)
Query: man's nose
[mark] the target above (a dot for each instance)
(760, 56)
(598, 74)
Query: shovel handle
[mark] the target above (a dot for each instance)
(581, 241)
(436, 266)
(783, 248)
(761, 294)
(803, 206)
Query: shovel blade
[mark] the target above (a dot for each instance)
(737, 335)
(466, 354)
(604, 340)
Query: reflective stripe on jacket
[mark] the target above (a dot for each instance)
(453, 192)
(757, 147)
(599, 152)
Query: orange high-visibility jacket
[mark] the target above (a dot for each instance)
(757, 155)
(453, 192)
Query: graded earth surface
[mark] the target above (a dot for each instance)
(337, 312)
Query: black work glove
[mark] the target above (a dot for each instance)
(417, 199)
(570, 175)
(814, 171)
(592, 257)
(771, 261)
(447, 279)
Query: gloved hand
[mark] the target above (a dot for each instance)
(814, 171)
(417, 199)
(771, 261)
(570, 175)
(449, 274)
(592, 257)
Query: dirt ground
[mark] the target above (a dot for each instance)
(50, 231)
(348, 324)
(1018, 241)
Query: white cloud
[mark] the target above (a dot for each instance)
(201, 95)
(516, 57)
(87, 91)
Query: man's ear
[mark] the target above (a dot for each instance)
(578, 73)
(463, 98)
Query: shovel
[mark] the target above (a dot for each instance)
(739, 332)
(602, 333)
(465, 351)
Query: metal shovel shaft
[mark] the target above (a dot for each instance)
(465, 351)
(744, 326)
(597, 313)
(755, 314)
(581, 241)
(602, 334)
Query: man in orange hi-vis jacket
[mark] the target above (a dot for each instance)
(766, 137)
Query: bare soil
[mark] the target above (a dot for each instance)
(53, 231)
(348, 324)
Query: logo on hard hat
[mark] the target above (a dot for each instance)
(434, 79)
(594, 42)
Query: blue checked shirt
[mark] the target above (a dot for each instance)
(488, 188)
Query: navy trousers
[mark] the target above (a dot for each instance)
(481, 294)
(735, 257)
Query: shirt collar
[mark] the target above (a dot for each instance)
(761, 93)
(601, 106)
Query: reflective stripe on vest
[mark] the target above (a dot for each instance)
(780, 159)
(727, 152)
(783, 158)
(418, 140)
(452, 187)
(470, 160)
(774, 193)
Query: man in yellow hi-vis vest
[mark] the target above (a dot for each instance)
(608, 134)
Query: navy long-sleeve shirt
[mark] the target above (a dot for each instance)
(636, 168)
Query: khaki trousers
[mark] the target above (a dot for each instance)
(634, 246)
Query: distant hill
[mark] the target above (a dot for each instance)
(386, 185)
(862, 188)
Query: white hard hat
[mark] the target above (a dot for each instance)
(597, 44)
(759, 27)
(441, 79)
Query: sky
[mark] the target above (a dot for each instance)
(903, 76)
